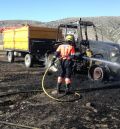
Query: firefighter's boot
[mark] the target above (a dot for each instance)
(58, 88)
(67, 91)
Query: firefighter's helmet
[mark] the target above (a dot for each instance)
(69, 38)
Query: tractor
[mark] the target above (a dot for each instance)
(97, 59)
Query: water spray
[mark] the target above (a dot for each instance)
(101, 71)
(115, 64)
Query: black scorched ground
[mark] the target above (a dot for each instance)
(99, 107)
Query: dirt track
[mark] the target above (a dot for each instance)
(99, 107)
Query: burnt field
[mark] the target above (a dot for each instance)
(99, 107)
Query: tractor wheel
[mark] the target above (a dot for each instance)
(28, 60)
(96, 73)
(10, 56)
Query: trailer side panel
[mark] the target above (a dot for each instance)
(16, 39)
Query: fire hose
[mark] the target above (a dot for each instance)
(45, 91)
(83, 57)
(50, 96)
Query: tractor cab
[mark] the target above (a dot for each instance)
(81, 32)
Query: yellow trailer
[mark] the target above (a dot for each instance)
(30, 42)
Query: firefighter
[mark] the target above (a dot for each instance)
(89, 53)
(64, 52)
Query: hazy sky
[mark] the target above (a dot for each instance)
(49, 10)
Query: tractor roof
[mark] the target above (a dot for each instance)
(75, 25)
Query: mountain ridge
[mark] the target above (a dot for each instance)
(108, 25)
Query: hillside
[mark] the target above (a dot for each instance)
(109, 27)
(6, 23)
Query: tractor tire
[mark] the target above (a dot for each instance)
(28, 60)
(96, 73)
(10, 56)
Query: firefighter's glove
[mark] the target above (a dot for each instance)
(53, 61)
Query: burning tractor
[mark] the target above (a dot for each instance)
(100, 60)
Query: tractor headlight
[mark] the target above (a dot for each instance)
(113, 54)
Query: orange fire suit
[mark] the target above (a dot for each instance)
(65, 70)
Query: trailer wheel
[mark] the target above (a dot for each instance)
(28, 60)
(10, 56)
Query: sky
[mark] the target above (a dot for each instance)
(50, 10)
